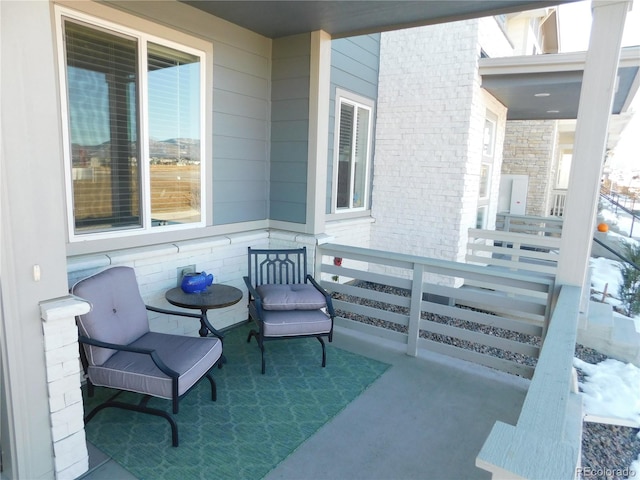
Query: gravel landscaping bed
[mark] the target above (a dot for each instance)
(607, 450)
(454, 322)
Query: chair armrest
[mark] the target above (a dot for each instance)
(172, 312)
(254, 296)
(218, 334)
(327, 297)
(127, 348)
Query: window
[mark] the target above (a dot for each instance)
(486, 168)
(351, 178)
(564, 169)
(481, 217)
(134, 130)
(488, 137)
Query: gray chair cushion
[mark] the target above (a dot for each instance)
(107, 321)
(289, 323)
(293, 296)
(191, 357)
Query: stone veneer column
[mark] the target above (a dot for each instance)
(62, 357)
(529, 149)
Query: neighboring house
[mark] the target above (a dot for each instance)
(538, 152)
(274, 147)
(449, 154)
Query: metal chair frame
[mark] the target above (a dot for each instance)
(280, 266)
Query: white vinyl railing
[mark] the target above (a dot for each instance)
(488, 316)
(545, 442)
(532, 225)
(558, 201)
(513, 251)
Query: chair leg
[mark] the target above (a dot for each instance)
(324, 352)
(90, 388)
(214, 390)
(252, 333)
(255, 333)
(142, 408)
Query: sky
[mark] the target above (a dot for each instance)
(575, 26)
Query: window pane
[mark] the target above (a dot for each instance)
(174, 135)
(481, 217)
(345, 151)
(488, 138)
(360, 158)
(103, 110)
(485, 171)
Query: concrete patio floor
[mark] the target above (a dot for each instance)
(426, 417)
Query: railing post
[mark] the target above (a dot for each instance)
(415, 310)
(317, 262)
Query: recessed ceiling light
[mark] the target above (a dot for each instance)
(553, 111)
(544, 94)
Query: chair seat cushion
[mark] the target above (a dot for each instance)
(289, 323)
(294, 296)
(191, 357)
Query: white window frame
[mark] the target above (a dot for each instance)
(486, 165)
(357, 101)
(143, 32)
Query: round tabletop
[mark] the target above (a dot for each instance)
(215, 296)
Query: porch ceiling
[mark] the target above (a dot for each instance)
(556, 79)
(513, 80)
(276, 19)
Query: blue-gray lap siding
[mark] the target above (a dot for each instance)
(240, 142)
(249, 187)
(355, 65)
(289, 128)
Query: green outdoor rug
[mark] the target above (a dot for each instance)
(257, 421)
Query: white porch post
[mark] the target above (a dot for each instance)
(320, 74)
(596, 98)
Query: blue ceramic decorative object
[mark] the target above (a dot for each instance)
(196, 282)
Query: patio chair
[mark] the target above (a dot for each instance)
(120, 352)
(284, 300)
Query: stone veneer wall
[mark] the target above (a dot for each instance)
(431, 111)
(530, 149)
(62, 357)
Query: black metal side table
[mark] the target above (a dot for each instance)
(215, 296)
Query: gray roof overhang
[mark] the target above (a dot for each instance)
(513, 80)
(276, 19)
(543, 87)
